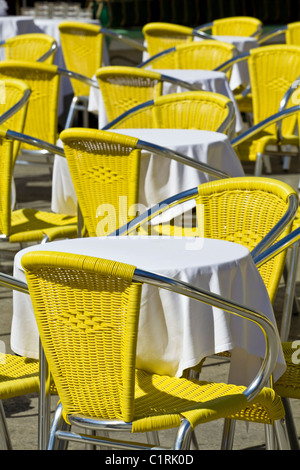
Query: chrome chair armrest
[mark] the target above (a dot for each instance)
(226, 124)
(284, 103)
(275, 32)
(144, 218)
(204, 27)
(127, 113)
(42, 144)
(182, 83)
(156, 56)
(274, 233)
(78, 76)
(181, 158)
(250, 133)
(10, 112)
(231, 62)
(278, 247)
(120, 37)
(47, 54)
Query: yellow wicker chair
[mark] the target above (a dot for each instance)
(26, 225)
(162, 36)
(82, 46)
(123, 87)
(105, 389)
(203, 110)
(104, 167)
(30, 47)
(234, 26)
(13, 107)
(273, 72)
(42, 114)
(202, 55)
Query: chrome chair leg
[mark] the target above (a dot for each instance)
(258, 165)
(289, 294)
(282, 435)
(290, 425)
(5, 442)
(184, 436)
(228, 434)
(71, 112)
(153, 438)
(44, 402)
(57, 423)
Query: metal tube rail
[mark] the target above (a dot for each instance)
(278, 228)
(265, 123)
(179, 157)
(11, 111)
(27, 139)
(156, 210)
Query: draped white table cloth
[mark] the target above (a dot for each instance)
(11, 26)
(175, 332)
(159, 177)
(204, 79)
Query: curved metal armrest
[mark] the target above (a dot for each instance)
(204, 26)
(274, 250)
(257, 32)
(231, 62)
(201, 34)
(78, 76)
(284, 102)
(275, 32)
(180, 158)
(122, 38)
(47, 54)
(222, 128)
(127, 113)
(182, 83)
(271, 336)
(250, 133)
(10, 112)
(42, 144)
(288, 217)
(158, 209)
(156, 56)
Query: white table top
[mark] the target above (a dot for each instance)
(207, 80)
(174, 331)
(159, 177)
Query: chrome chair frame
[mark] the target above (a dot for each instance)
(151, 59)
(184, 435)
(207, 26)
(48, 154)
(45, 56)
(223, 128)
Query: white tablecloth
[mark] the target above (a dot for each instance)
(159, 177)
(205, 79)
(11, 26)
(175, 332)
